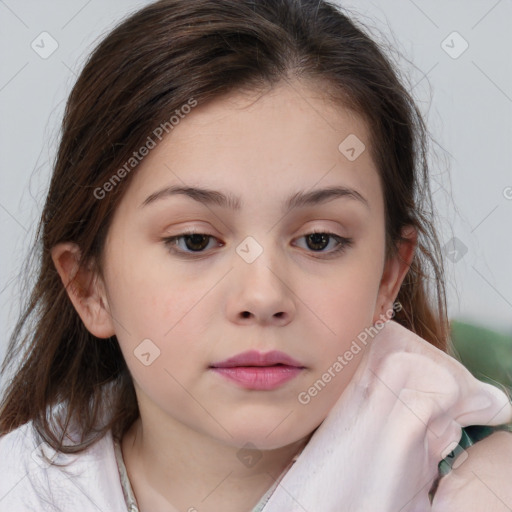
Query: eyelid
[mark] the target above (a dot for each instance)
(169, 240)
(343, 243)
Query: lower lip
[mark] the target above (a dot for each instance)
(259, 377)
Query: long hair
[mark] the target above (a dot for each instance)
(150, 66)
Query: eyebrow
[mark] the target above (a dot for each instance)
(225, 200)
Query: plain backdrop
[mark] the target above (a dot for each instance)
(455, 55)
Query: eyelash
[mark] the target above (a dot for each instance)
(343, 244)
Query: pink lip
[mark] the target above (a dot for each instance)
(255, 358)
(255, 370)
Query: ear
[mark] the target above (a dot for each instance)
(395, 270)
(85, 289)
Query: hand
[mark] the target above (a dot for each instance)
(379, 447)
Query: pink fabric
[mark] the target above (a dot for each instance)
(379, 447)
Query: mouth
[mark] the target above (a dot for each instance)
(262, 378)
(253, 358)
(258, 371)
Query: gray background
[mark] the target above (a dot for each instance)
(466, 100)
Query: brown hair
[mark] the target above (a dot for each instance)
(148, 67)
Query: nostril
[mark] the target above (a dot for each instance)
(245, 314)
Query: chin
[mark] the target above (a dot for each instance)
(264, 437)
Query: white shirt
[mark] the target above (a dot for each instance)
(95, 480)
(29, 483)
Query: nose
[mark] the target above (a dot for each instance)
(260, 293)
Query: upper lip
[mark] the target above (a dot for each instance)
(255, 358)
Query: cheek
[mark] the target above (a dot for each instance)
(337, 356)
(147, 294)
(148, 303)
(344, 307)
(346, 315)
(163, 349)
(346, 299)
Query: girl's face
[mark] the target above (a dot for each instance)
(251, 279)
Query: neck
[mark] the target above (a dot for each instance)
(171, 465)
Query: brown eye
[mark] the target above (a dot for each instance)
(196, 242)
(317, 241)
(187, 244)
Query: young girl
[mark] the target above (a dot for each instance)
(238, 208)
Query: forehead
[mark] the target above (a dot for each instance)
(263, 144)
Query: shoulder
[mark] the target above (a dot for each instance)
(482, 481)
(35, 477)
(19, 469)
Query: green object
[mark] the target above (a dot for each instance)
(487, 354)
(470, 436)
